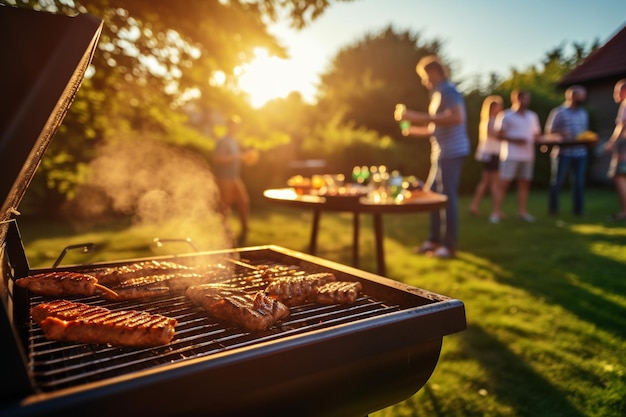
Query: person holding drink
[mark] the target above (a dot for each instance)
(446, 127)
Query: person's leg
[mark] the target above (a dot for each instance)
(559, 167)
(242, 202)
(620, 187)
(523, 188)
(493, 179)
(450, 177)
(479, 193)
(505, 175)
(579, 166)
(434, 179)
(226, 200)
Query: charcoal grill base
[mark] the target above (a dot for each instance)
(347, 388)
(349, 363)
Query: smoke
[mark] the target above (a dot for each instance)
(156, 184)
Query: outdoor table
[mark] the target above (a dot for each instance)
(423, 202)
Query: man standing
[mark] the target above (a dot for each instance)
(568, 121)
(518, 128)
(227, 160)
(445, 125)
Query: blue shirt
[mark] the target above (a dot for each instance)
(569, 123)
(449, 141)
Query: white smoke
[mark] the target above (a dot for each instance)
(157, 184)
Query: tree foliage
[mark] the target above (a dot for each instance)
(152, 56)
(366, 79)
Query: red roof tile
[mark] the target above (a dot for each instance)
(607, 61)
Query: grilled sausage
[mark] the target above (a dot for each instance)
(338, 292)
(64, 320)
(62, 284)
(297, 290)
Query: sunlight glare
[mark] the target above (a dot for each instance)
(267, 77)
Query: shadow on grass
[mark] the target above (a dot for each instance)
(580, 282)
(506, 373)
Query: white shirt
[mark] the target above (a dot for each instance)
(520, 126)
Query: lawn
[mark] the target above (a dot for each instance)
(545, 302)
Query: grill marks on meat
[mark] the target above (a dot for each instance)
(64, 320)
(297, 290)
(338, 292)
(155, 285)
(118, 274)
(63, 283)
(253, 312)
(322, 288)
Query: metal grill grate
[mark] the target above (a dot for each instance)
(56, 365)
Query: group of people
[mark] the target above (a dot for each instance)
(506, 150)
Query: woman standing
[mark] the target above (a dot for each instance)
(487, 152)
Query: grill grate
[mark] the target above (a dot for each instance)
(57, 365)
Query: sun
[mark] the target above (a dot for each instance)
(267, 77)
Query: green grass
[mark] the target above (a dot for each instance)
(545, 302)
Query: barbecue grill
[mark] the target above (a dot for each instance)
(330, 360)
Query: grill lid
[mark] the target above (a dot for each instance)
(43, 59)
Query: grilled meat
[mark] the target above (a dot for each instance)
(140, 287)
(118, 274)
(338, 292)
(298, 289)
(155, 285)
(63, 284)
(228, 303)
(253, 313)
(217, 291)
(64, 320)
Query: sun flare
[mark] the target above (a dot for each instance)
(267, 77)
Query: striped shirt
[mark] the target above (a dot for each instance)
(569, 123)
(450, 141)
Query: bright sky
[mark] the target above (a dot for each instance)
(479, 36)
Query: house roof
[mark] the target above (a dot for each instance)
(607, 61)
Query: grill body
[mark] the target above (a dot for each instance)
(326, 360)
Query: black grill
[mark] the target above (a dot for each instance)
(57, 365)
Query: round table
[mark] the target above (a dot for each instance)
(422, 201)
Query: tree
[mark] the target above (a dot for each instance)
(152, 56)
(365, 80)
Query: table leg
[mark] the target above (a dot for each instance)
(355, 240)
(380, 251)
(314, 229)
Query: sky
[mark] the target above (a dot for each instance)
(479, 37)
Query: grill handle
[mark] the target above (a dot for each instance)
(83, 247)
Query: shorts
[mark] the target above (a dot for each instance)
(510, 170)
(232, 192)
(492, 164)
